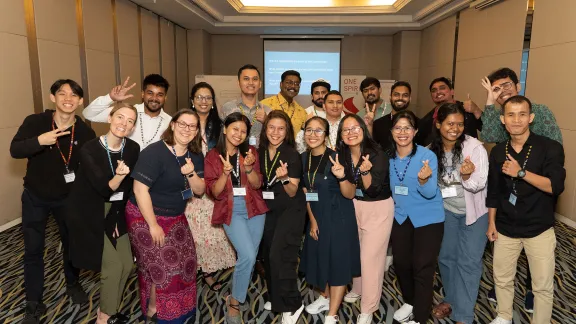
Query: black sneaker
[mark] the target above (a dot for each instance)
(492, 295)
(76, 293)
(33, 312)
(529, 302)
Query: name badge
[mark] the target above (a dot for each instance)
(239, 191)
(311, 196)
(69, 177)
(252, 140)
(512, 199)
(186, 194)
(449, 192)
(269, 195)
(401, 190)
(359, 193)
(117, 196)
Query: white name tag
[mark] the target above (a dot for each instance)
(513, 199)
(117, 196)
(401, 190)
(359, 193)
(311, 196)
(269, 195)
(69, 177)
(252, 140)
(239, 191)
(449, 192)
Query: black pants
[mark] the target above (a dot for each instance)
(35, 213)
(280, 247)
(415, 257)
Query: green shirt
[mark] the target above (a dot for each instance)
(544, 124)
(383, 109)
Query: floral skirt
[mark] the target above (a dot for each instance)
(171, 268)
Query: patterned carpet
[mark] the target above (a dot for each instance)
(210, 310)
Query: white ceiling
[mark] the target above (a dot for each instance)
(345, 17)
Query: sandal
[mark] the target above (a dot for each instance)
(233, 319)
(212, 286)
(442, 310)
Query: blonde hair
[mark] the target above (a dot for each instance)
(119, 105)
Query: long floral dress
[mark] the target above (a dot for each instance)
(213, 249)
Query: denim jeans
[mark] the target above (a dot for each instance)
(460, 263)
(245, 235)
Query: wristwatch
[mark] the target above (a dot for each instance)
(521, 174)
(191, 174)
(285, 181)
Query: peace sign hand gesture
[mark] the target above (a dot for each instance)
(425, 172)
(120, 92)
(366, 164)
(282, 171)
(187, 168)
(337, 168)
(50, 138)
(370, 114)
(226, 163)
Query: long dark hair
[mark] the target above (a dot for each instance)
(195, 145)
(412, 120)
(368, 144)
(213, 124)
(289, 139)
(232, 118)
(437, 146)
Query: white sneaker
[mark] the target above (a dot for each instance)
(411, 322)
(331, 319)
(364, 318)
(319, 305)
(268, 306)
(292, 318)
(500, 320)
(351, 297)
(404, 313)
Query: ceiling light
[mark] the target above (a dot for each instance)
(288, 3)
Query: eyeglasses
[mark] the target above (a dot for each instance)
(184, 125)
(292, 83)
(398, 129)
(351, 130)
(202, 98)
(503, 86)
(318, 132)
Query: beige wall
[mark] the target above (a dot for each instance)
(406, 61)
(367, 55)
(551, 71)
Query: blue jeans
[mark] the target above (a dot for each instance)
(460, 263)
(245, 235)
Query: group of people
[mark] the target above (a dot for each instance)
(209, 189)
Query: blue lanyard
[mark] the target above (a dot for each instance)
(108, 151)
(178, 162)
(403, 173)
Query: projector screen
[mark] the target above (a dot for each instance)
(314, 59)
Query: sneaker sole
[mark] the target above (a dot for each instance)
(406, 319)
(318, 311)
(351, 300)
(492, 300)
(531, 311)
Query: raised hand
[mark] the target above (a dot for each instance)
(249, 160)
(50, 138)
(337, 168)
(366, 164)
(260, 115)
(492, 96)
(425, 171)
(120, 92)
(226, 163)
(282, 171)
(187, 168)
(467, 167)
(511, 167)
(122, 169)
(370, 114)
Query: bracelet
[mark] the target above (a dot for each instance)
(248, 171)
(341, 179)
(190, 175)
(365, 173)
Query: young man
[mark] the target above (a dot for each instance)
(51, 141)
(289, 89)
(525, 177)
(373, 103)
(501, 85)
(318, 91)
(250, 83)
(442, 91)
(152, 120)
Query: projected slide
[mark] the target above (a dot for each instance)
(313, 59)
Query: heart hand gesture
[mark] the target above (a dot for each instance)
(467, 167)
(122, 169)
(366, 164)
(249, 160)
(282, 171)
(187, 168)
(425, 172)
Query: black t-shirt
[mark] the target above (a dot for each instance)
(233, 161)
(159, 169)
(381, 132)
(380, 186)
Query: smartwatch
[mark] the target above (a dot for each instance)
(521, 174)
(285, 182)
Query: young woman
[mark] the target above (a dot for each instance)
(418, 218)
(282, 170)
(462, 176)
(167, 175)
(233, 178)
(213, 250)
(365, 167)
(331, 254)
(95, 210)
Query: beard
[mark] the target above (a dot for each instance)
(148, 105)
(400, 105)
(371, 99)
(318, 103)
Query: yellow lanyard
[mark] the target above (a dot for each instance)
(311, 182)
(253, 117)
(269, 172)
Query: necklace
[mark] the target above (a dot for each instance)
(514, 180)
(140, 121)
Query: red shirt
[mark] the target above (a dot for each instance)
(223, 203)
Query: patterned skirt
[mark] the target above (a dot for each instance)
(171, 268)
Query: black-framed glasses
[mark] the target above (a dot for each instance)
(292, 83)
(318, 132)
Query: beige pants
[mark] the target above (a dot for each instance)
(541, 260)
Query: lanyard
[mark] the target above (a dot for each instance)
(236, 172)
(403, 173)
(66, 161)
(311, 181)
(108, 151)
(269, 171)
(523, 165)
(141, 121)
(176, 156)
(293, 110)
(253, 117)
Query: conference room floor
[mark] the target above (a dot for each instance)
(211, 305)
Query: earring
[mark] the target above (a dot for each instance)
(212, 107)
(192, 105)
